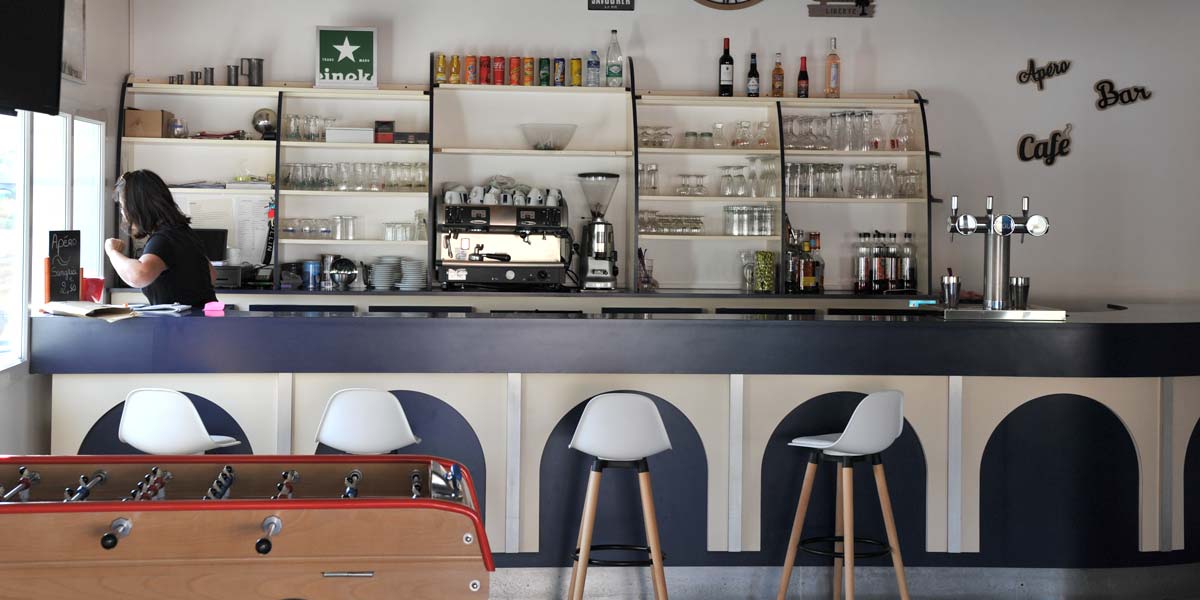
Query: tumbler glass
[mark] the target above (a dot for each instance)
(718, 136)
(345, 177)
(360, 177)
(859, 184)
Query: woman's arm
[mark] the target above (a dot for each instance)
(137, 273)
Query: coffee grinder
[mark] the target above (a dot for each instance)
(597, 249)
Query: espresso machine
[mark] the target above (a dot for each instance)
(502, 246)
(597, 247)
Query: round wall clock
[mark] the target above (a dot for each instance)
(728, 4)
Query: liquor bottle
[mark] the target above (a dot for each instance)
(615, 74)
(862, 264)
(593, 70)
(455, 70)
(439, 71)
(879, 274)
(818, 260)
(725, 73)
(833, 71)
(752, 77)
(908, 263)
(893, 262)
(808, 272)
(777, 77)
(802, 79)
(791, 264)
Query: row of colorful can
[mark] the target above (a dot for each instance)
(515, 70)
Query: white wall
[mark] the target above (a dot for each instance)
(25, 398)
(1122, 205)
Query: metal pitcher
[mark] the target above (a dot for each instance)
(253, 69)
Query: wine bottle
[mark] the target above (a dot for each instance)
(777, 77)
(752, 77)
(833, 71)
(802, 79)
(725, 73)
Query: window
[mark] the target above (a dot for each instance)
(48, 209)
(87, 193)
(12, 236)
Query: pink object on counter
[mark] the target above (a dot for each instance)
(215, 307)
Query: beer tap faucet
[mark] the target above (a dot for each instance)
(998, 230)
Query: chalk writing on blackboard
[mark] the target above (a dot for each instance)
(62, 276)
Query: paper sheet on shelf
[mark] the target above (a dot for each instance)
(250, 215)
(209, 214)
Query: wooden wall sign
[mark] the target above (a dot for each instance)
(1048, 150)
(62, 272)
(610, 5)
(1110, 96)
(861, 9)
(1039, 75)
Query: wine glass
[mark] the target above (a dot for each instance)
(698, 188)
(683, 189)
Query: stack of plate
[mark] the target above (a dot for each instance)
(385, 272)
(413, 276)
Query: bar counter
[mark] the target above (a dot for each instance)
(1013, 429)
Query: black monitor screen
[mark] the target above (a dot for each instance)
(31, 49)
(214, 242)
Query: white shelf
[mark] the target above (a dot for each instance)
(308, 242)
(196, 143)
(531, 89)
(857, 153)
(526, 152)
(379, 195)
(221, 192)
(687, 237)
(711, 152)
(674, 98)
(354, 146)
(895, 101)
(291, 89)
(703, 99)
(859, 200)
(726, 199)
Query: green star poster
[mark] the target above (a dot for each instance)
(347, 57)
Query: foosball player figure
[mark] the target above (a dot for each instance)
(25, 482)
(286, 489)
(352, 481)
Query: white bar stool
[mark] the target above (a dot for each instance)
(620, 430)
(874, 426)
(365, 421)
(158, 421)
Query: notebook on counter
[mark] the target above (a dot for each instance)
(89, 310)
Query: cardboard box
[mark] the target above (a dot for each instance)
(350, 135)
(147, 123)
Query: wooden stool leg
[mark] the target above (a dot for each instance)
(848, 528)
(889, 524)
(651, 519)
(586, 524)
(837, 530)
(810, 473)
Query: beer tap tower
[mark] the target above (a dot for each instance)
(998, 231)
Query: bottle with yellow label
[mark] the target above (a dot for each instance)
(439, 70)
(455, 70)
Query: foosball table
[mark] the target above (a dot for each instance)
(241, 527)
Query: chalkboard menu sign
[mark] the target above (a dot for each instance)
(62, 274)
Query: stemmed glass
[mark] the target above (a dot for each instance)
(698, 188)
(684, 189)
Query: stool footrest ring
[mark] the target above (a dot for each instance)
(807, 545)
(599, 562)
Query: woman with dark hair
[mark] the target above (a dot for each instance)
(173, 267)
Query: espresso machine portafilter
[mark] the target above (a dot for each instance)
(998, 230)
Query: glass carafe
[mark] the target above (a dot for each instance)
(741, 137)
(762, 134)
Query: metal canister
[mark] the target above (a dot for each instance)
(560, 72)
(543, 74)
(485, 70)
(576, 72)
(472, 77)
(528, 71)
(497, 70)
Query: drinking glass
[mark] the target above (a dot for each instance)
(821, 133)
(325, 177)
(873, 183)
(690, 139)
(741, 137)
(645, 136)
(836, 189)
(739, 182)
(846, 140)
(762, 135)
(360, 177)
(877, 134)
(726, 186)
(652, 178)
(291, 126)
(308, 229)
(683, 189)
(285, 175)
(789, 134)
(325, 125)
(698, 188)
(664, 138)
(706, 140)
(420, 175)
(177, 128)
(289, 228)
(864, 130)
(887, 183)
(345, 177)
(718, 136)
(752, 188)
(837, 130)
(859, 184)
(770, 182)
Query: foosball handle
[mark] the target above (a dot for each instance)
(117, 530)
(271, 526)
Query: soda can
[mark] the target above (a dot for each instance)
(472, 77)
(560, 72)
(576, 72)
(528, 71)
(514, 70)
(485, 70)
(497, 70)
(543, 71)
